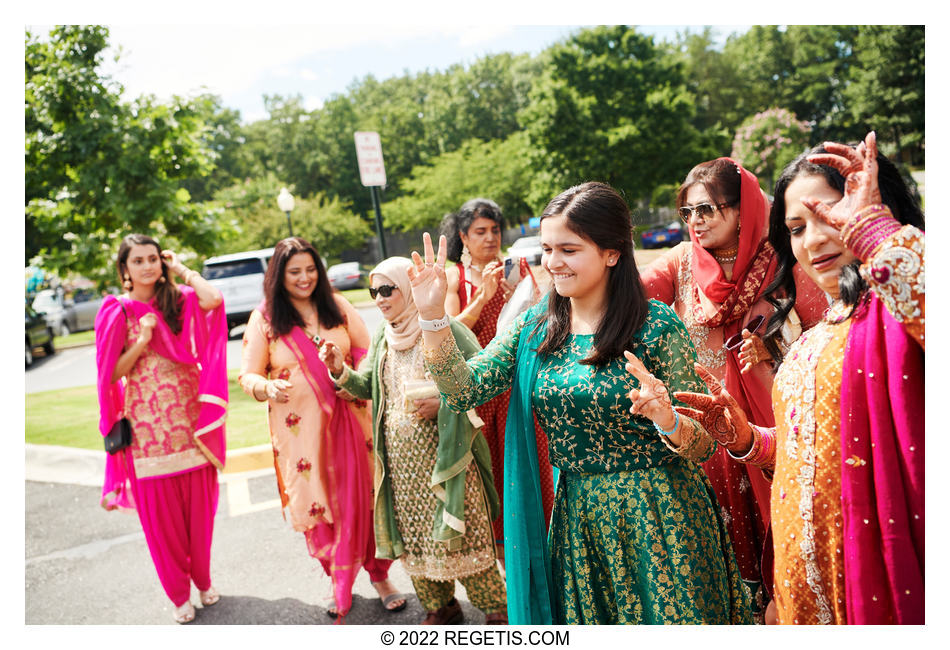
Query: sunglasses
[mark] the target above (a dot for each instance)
(703, 210)
(734, 341)
(385, 290)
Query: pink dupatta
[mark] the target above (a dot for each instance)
(202, 341)
(882, 470)
(343, 543)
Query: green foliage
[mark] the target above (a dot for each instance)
(887, 91)
(98, 168)
(253, 220)
(497, 169)
(610, 107)
(768, 141)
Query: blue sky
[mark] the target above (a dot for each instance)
(241, 63)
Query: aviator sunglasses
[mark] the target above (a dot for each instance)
(734, 341)
(703, 210)
(385, 290)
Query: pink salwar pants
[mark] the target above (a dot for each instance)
(177, 515)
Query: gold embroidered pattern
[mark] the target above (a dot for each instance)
(896, 274)
(709, 356)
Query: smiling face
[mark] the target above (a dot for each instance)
(144, 266)
(483, 240)
(300, 276)
(816, 245)
(719, 229)
(577, 265)
(393, 305)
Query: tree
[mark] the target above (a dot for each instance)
(497, 169)
(252, 220)
(613, 107)
(887, 89)
(768, 141)
(98, 168)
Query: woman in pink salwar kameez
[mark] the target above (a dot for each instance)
(323, 444)
(160, 356)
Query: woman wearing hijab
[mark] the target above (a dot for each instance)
(435, 498)
(716, 283)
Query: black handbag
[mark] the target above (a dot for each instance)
(120, 436)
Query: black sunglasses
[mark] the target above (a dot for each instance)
(734, 341)
(385, 290)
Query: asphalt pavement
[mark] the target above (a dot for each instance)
(84, 565)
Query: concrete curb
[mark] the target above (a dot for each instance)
(55, 464)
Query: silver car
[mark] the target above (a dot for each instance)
(348, 275)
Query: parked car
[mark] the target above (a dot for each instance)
(240, 279)
(528, 247)
(662, 236)
(68, 314)
(38, 334)
(348, 275)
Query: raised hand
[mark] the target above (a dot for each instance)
(427, 277)
(859, 168)
(718, 412)
(173, 263)
(752, 351)
(332, 357)
(652, 399)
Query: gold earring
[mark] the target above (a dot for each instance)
(161, 279)
(127, 283)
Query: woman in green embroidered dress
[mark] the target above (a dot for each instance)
(434, 495)
(636, 535)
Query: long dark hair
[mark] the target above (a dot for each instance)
(167, 296)
(455, 223)
(283, 315)
(895, 193)
(598, 214)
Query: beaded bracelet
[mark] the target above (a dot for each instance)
(676, 425)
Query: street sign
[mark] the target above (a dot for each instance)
(369, 156)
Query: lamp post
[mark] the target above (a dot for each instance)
(285, 201)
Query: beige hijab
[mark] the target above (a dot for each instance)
(403, 330)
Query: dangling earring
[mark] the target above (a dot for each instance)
(466, 257)
(161, 279)
(127, 283)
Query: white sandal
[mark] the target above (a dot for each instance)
(185, 613)
(210, 597)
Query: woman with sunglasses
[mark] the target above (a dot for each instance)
(847, 449)
(322, 442)
(477, 292)
(434, 493)
(716, 284)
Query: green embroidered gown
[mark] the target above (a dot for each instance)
(636, 535)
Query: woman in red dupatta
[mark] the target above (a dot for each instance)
(716, 283)
(322, 443)
(847, 449)
(161, 362)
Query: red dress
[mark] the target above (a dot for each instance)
(494, 413)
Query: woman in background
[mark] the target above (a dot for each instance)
(477, 292)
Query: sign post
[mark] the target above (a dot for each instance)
(369, 156)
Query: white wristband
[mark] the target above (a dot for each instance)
(434, 325)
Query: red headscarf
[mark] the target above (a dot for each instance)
(754, 266)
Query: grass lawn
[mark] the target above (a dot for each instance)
(70, 418)
(75, 338)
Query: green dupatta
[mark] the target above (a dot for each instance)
(527, 560)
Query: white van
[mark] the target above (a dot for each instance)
(240, 278)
